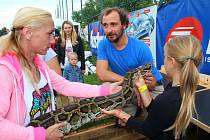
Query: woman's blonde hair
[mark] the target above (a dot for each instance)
(187, 51)
(26, 17)
(73, 34)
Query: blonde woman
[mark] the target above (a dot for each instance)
(169, 114)
(70, 42)
(27, 82)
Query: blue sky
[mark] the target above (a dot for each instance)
(8, 8)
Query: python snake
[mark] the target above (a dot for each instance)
(88, 109)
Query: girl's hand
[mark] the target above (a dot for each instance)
(139, 81)
(146, 98)
(123, 116)
(139, 100)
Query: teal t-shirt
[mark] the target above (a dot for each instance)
(135, 54)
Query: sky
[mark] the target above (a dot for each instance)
(8, 8)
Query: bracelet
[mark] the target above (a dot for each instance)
(117, 112)
(143, 88)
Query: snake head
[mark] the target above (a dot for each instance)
(145, 69)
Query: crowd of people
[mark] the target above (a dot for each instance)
(38, 61)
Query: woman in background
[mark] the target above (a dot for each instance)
(70, 42)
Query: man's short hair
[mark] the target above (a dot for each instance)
(122, 14)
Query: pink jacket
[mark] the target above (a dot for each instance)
(12, 104)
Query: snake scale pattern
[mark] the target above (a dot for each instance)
(88, 109)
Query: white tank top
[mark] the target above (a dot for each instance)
(69, 49)
(36, 103)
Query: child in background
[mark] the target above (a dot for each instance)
(72, 72)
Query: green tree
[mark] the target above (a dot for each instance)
(93, 8)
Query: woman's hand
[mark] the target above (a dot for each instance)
(115, 87)
(123, 116)
(53, 132)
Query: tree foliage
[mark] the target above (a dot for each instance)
(92, 8)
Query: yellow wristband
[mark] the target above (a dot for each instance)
(143, 88)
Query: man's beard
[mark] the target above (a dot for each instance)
(118, 36)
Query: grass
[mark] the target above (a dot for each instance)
(92, 79)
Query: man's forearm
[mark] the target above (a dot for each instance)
(109, 76)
